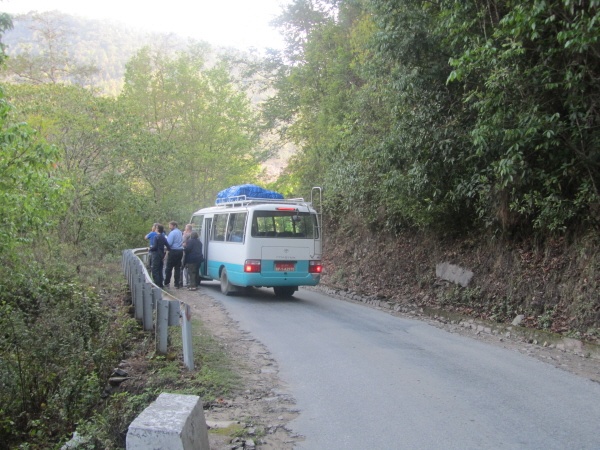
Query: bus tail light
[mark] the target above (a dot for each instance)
(315, 266)
(252, 266)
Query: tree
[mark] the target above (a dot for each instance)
(200, 133)
(49, 61)
(532, 81)
(5, 25)
(101, 145)
(31, 191)
(314, 86)
(447, 115)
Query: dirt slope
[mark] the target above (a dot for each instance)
(555, 286)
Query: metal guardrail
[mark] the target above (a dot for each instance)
(155, 308)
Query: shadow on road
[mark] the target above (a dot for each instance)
(251, 293)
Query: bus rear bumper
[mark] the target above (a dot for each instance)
(257, 279)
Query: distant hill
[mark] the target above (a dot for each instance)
(106, 44)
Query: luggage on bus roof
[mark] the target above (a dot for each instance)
(249, 190)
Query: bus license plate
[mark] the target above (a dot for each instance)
(285, 267)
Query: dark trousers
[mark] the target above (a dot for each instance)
(157, 269)
(174, 262)
(193, 272)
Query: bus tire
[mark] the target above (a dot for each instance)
(226, 287)
(284, 291)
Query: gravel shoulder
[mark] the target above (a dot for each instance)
(257, 415)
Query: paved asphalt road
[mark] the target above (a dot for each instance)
(364, 379)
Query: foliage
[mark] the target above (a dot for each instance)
(444, 116)
(6, 25)
(85, 135)
(196, 121)
(51, 61)
(213, 379)
(129, 168)
(532, 82)
(58, 344)
(29, 185)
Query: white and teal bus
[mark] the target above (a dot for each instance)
(261, 243)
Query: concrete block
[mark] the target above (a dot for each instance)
(573, 345)
(455, 274)
(172, 422)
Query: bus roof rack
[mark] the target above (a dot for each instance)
(243, 200)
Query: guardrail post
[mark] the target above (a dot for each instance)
(129, 266)
(145, 304)
(126, 265)
(186, 336)
(162, 326)
(138, 297)
(156, 296)
(174, 313)
(146, 297)
(132, 285)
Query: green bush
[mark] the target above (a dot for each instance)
(58, 343)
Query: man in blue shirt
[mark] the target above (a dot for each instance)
(150, 237)
(175, 240)
(157, 250)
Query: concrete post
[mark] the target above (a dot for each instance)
(127, 264)
(173, 421)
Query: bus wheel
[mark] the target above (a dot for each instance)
(284, 291)
(226, 287)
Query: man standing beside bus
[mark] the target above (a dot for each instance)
(175, 240)
(157, 250)
(187, 232)
(150, 237)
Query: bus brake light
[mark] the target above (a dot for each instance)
(315, 266)
(252, 266)
(286, 209)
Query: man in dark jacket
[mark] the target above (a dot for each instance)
(193, 259)
(158, 255)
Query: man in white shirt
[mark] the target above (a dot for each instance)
(175, 240)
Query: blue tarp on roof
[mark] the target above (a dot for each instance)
(249, 190)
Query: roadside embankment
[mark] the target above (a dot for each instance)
(552, 289)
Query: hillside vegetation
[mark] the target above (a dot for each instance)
(83, 175)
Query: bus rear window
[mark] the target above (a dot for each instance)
(284, 224)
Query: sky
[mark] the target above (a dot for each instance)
(236, 23)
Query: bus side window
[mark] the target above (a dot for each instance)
(197, 224)
(236, 227)
(219, 224)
